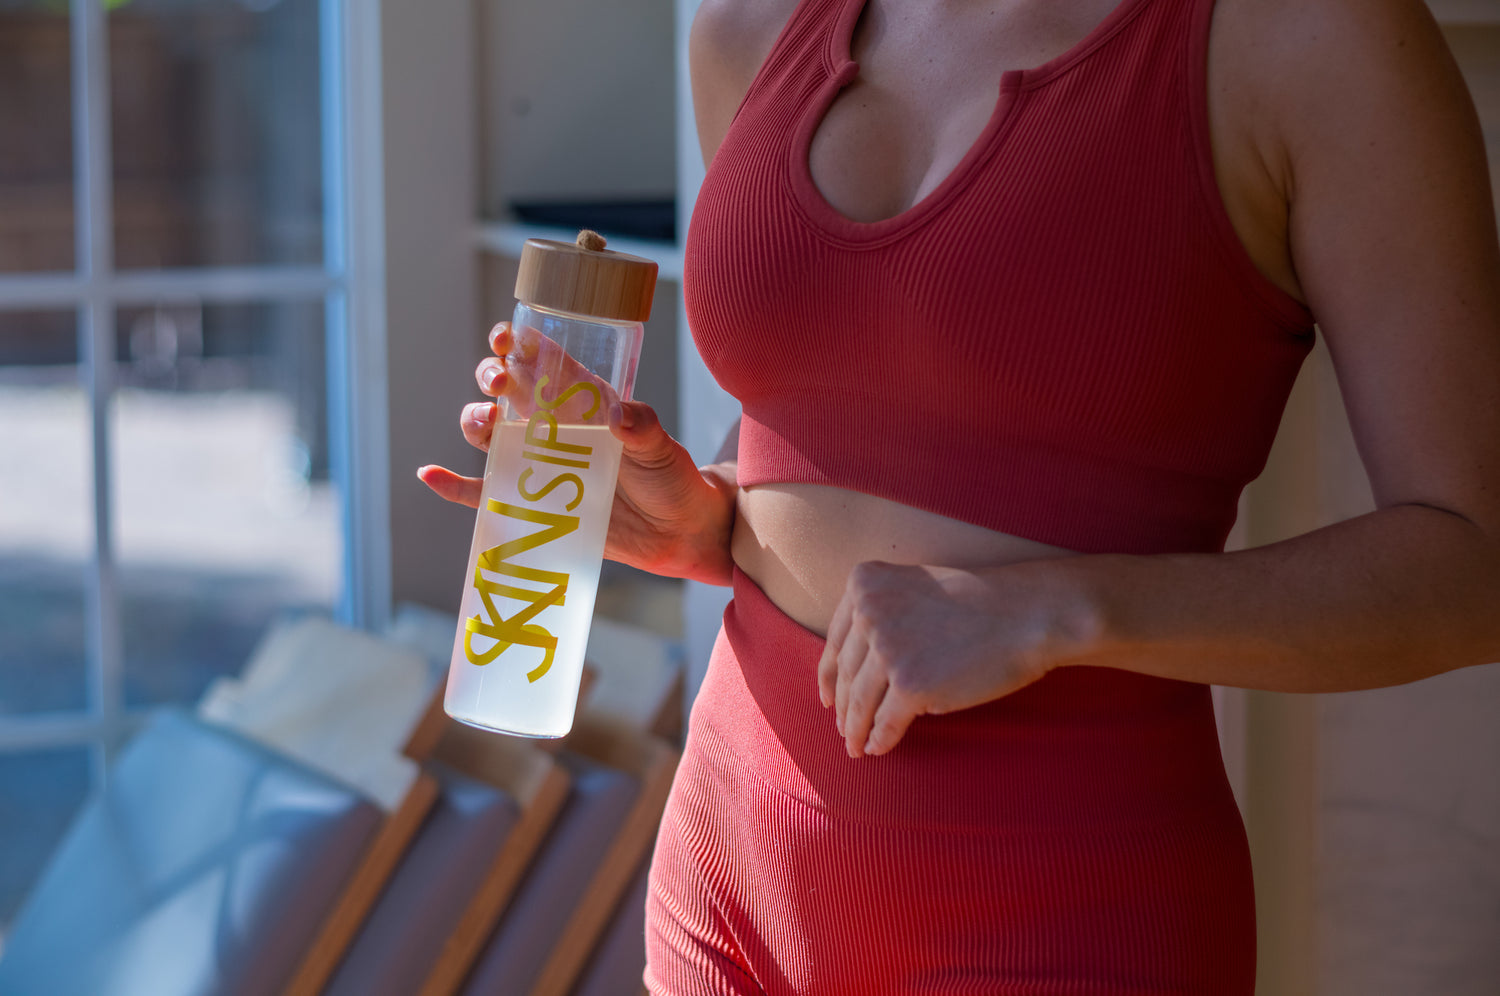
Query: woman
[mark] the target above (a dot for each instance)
(1005, 366)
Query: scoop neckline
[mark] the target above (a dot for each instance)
(841, 71)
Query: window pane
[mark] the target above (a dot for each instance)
(36, 137)
(215, 130)
(46, 513)
(40, 792)
(225, 517)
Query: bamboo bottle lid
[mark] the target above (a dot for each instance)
(586, 278)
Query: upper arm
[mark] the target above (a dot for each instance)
(728, 42)
(1392, 233)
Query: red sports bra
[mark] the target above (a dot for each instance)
(1064, 341)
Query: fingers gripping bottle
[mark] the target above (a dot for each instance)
(549, 485)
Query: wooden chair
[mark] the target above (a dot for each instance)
(537, 779)
(537, 783)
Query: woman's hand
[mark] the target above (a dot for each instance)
(668, 518)
(907, 641)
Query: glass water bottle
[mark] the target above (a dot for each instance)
(549, 484)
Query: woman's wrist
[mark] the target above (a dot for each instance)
(708, 558)
(1073, 609)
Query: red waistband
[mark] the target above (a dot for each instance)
(1083, 748)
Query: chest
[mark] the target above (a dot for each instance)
(927, 85)
(927, 88)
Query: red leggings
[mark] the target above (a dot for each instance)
(1077, 837)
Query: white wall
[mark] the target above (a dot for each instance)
(434, 333)
(577, 100)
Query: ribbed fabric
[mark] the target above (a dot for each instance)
(1064, 341)
(1078, 837)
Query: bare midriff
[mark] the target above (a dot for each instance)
(799, 542)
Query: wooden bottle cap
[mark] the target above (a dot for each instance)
(586, 278)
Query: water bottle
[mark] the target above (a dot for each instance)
(549, 485)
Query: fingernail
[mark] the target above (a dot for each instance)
(490, 377)
(627, 417)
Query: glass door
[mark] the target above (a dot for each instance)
(184, 458)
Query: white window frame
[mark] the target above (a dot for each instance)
(350, 282)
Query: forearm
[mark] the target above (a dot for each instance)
(1386, 598)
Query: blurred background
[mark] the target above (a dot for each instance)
(195, 432)
(249, 250)
(164, 450)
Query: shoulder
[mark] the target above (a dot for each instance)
(729, 41)
(1370, 31)
(1321, 71)
(1358, 114)
(739, 32)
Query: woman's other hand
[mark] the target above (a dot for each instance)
(907, 641)
(668, 517)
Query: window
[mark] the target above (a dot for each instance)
(183, 458)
